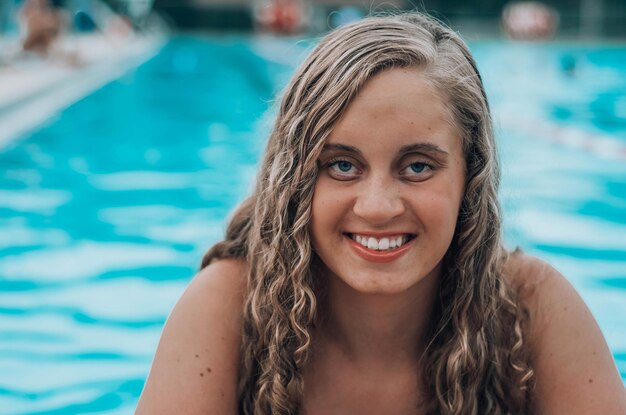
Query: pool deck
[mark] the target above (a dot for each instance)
(34, 89)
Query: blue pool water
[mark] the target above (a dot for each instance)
(107, 209)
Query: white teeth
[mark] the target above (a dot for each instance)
(383, 244)
(372, 243)
(380, 244)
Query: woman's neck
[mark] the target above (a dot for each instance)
(377, 329)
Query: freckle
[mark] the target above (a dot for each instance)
(197, 355)
(208, 369)
(201, 374)
(222, 394)
(564, 308)
(590, 381)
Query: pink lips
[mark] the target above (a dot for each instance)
(378, 256)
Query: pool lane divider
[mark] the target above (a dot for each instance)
(32, 94)
(601, 144)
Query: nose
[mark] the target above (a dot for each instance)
(379, 201)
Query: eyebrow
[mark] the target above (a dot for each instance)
(424, 147)
(411, 148)
(341, 147)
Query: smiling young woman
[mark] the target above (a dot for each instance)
(392, 169)
(366, 274)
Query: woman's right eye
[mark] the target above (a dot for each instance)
(342, 169)
(343, 166)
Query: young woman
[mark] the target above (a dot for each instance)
(366, 275)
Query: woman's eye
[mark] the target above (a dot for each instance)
(417, 169)
(344, 166)
(342, 169)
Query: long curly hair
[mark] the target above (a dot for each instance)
(477, 359)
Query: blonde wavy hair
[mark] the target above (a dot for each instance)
(477, 360)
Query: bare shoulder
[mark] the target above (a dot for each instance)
(195, 366)
(574, 369)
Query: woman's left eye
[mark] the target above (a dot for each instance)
(416, 169)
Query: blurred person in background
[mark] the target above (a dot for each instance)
(283, 17)
(42, 22)
(529, 20)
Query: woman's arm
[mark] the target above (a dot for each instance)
(574, 368)
(195, 366)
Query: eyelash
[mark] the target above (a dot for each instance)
(335, 161)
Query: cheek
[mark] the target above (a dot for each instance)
(440, 209)
(325, 210)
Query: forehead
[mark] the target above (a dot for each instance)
(397, 105)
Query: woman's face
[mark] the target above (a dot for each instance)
(390, 186)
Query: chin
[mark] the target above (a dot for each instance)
(379, 284)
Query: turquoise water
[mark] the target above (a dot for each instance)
(107, 209)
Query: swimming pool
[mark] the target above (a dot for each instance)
(106, 210)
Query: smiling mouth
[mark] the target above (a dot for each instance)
(385, 244)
